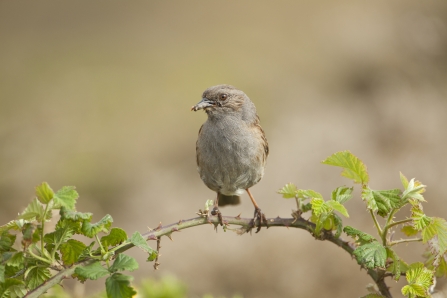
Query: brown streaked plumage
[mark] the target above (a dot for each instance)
(231, 149)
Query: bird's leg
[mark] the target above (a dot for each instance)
(258, 213)
(216, 211)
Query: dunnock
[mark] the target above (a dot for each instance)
(231, 149)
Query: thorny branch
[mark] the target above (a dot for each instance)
(245, 224)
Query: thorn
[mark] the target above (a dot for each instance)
(159, 226)
(239, 216)
(175, 229)
(152, 237)
(150, 230)
(180, 221)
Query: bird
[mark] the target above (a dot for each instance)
(231, 148)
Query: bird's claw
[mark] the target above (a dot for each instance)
(215, 211)
(259, 218)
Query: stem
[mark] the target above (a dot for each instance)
(385, 229)
(399, 222)
(405, 241)
(379, 229)
(377, 275)
(43, 227)
(30, 251)
(390, 225)
(390, 217)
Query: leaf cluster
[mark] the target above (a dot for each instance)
(27, 264)
(377, 253)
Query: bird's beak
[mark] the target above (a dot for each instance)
(203, 104)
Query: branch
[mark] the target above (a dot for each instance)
(399, 222)
(245, 224)
(376, 223)
(405, 241)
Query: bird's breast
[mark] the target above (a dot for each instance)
(228, 156)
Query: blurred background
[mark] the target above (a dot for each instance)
(97, 95)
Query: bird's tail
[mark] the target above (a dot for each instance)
(228, 200)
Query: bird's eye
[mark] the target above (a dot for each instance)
(223, 97)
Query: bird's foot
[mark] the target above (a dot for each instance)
(215, 211)
(259, 219)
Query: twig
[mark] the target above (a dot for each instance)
(405, 241)
(377, 275)
(156, 264)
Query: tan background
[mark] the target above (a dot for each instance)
(97, 95)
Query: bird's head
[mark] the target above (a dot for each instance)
(222, 99)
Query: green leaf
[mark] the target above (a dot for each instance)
(414, 291)
(90, 230)
(2, 273)
(371, 255)
(44, 193)
(92, 271)
(124, 262)
(403, 267)
(319, 207)
(334, 205)
(66, 197)
(28, 233)
(436, 234)
(16, 224)
(409, 230)
(420, 220)
(33, 211)
(354, 168)
(115, 237)
(382, 201)
(441, 270)
(208, 205)
(306, 207)
(395, 268)
(88, 251)
(118, 286)
(152, 256)
(413, 191)
(17, 260)
(368, 196)
(342, 194)
(58, 236)
(74, 226)
(322, 221)
(74, 215)
(71, 251)
(288, 191)
(338, 225)
(138, 240)
(7, 241)
(404, 180)
(13, 288)
(386, 200)
(35, 276)
(359, 236)
(434, 260)
(419, 280)
(308, 194)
